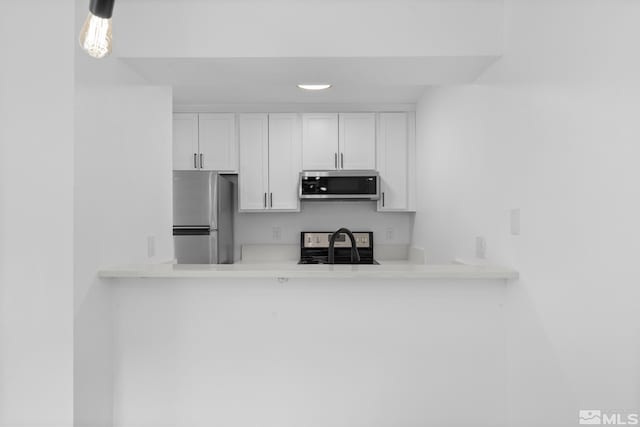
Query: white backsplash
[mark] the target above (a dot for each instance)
(284, 228)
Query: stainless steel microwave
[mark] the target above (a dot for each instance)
(340, 185)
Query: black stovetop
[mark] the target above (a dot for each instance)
(338, 260)
(317, 252)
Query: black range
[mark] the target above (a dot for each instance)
(314, 247)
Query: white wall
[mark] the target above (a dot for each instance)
(123, 197)
(551, 129)
(311, 353)
(293, 28)
(36, 213)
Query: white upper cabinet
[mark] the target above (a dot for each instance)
(205, 142)
(396, 161)
(339, 141)
(218, 147)
(320, 141)
(253, 177)
(270, 161)
(285, 161)
(185, 142)
(357, 147)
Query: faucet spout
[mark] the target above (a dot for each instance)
(355, 255)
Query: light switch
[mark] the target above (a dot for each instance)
(481, 247)
(515, 222)
(277, 233)
(389, 233)
(151, 246)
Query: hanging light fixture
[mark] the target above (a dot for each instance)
(95, 36)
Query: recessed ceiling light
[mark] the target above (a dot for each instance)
(314, 87)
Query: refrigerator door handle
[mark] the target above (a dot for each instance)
(191, 231)
(214, 204)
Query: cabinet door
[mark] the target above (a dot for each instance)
(185, 141)
(395, 162)
(319, 141)
(218, 146)
(285, 161)
(253, 176)
(357, 141)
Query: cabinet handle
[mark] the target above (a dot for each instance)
(195, 160)
(335, 160)
(201, 160)
(342, 160)
(383, 199)
(271, 199)
(265, 200)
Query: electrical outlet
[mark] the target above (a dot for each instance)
(151, 246)
(390, 233)
(515, 222)
(277, 233)
(481, 247)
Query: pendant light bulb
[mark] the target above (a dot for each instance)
(95, 36)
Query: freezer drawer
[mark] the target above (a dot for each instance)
(193, 247)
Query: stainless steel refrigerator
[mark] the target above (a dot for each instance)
(202, 218)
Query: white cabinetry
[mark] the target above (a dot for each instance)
(320, 141)
(185, 142)
(285, 161)
(218, 145)
(205, 142)
(396, 161)
(339, 141)
(253, 177)
(357, 145)
(269, 162)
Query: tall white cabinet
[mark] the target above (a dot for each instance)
(339, 141)
(396, 161)
(253, 176)
(205, 141)
(270, 161)
(285, 161)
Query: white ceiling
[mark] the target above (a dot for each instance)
(273, 80)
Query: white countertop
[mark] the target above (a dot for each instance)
(286, 270)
